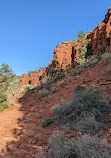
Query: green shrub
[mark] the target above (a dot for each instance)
(1, 108)
(83, 102)
(13, 86)
(5, 104)
(59, 74)
(83, 43)
(47, 122)
(79, 88)
(6, 77)
(106, 57)
(25, 88)
(89, 125)
(78, 71)
(3, 97)
(69, 67)
(91, 147)
(75, 73)
(92, 61)
(51, 69)
(60, 147)
(80, 147)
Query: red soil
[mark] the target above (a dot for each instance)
(22, 123)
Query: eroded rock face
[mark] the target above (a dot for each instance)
(65, 53)
(32, 79)
(24, 80)
(100, 38)
(62, 54)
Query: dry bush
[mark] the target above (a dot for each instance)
(85, 102)
(42, 94)
(79, 147)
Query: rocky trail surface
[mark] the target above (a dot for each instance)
(8, 122)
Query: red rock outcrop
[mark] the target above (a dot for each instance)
(24, 80)
(65, 54)
(62, 54)
(100, 38)
(32, 79)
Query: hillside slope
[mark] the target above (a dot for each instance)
(32, 137)
(27, 137)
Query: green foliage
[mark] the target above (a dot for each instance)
(25, 88)
(91, 147)
(51, 69)
(78, 71)
(1, 108)
(89, 125)
(89, 102)
(83, 43)
(3, 97)
(47, 122)
(106, 57)
(69, 67)
(59, 74)
(79, 147)
(6, 77)
(75, 73)
(13, 86)
(7, 104)
(60, 147)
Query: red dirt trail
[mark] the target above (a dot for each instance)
(8, 122)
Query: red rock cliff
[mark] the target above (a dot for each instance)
(32, 79)
(65, 54)
(100, 37)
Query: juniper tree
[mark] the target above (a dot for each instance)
(83, 42)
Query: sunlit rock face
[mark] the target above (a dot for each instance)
(65, 53)
(100, 36)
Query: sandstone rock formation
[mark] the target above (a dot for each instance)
(100, 38)
(62, 54)
(32, 79)
(65, 53)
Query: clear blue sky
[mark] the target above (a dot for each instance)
(31, 29)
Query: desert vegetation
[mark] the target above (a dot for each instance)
(83, 43)
(79, 147)
(85, 113)
(25, 88)
(6, 78)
